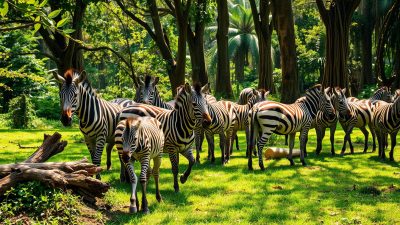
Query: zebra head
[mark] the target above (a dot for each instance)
(146, 91)
(341, 104)
(326, 103)
(69, 93)
(383, 94)
(262, 94)
(200, 104)
(128, 137)
(206, 90)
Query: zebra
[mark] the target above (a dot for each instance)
(242, 112)
(383, 94)
(177, 124)
(142, 139)
(246, 94)
(97, 116)
(222, 123)
(124, 102)
(270, 117)
(386, 121)
(148, 93)
(353, 114)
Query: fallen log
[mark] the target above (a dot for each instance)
(76, 175)
(278, 153)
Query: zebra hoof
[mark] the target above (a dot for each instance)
(304, 163)
(132, 209)
(183, 179)
(391, 159)
(145, 211)
(176, 188)
(291, 162)
(333, 153)
(159, 198)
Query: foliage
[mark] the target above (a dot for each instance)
(47, 104)
(39, 202)
(21, 111)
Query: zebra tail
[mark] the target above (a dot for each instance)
(253, 129)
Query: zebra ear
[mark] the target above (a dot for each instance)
(206, 89)
(137, 122)
(254, 91)
(344, 90)
(82, 77)
(266, 94)
(155, 82)
(188, 88)
(58, 78)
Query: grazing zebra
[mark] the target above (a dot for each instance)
(97, 116)
(222, 123)
(178, 125)
(386, 121)
(353, 114)
(147, 93)
(243, 113)
(270, 117)
(140, 138)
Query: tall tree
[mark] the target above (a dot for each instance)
(195, 41)
(367, 28)
(263, 29)
(223, 85)
(337, 19)
(179, 9)
(284, 25)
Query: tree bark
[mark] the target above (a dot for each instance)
(337, 20)
(284, 25)
(223, 87)
(367, 28)
(196, 46)
(239, 66)
(263, 29)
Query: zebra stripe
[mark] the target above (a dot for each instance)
(270, 117)
(148, 93)
(246, 94)
(97, 116)
(177, 125)
(387, 121)
(354, 114)
(140, 138)
(124, 102)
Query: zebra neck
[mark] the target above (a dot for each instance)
(186, 115)
(311, 105)
(87, 100)
(159, 102)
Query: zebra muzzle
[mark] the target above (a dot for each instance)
(126, 156)
(66, 117)
(206, 119)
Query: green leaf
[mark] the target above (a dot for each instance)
(62, 22)
(44, 2)
(54, 13)
(68, 31)
(37, 27)
(4, 9)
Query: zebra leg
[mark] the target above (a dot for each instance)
(286, 140)
(144, 162)
(199, 137)
(133, 179)
(237, 143)
(320, 136)
(229, 144)
(109, 148)
(381, 143)
(222, 146)
(174, 158)
(365, 132)
(346, 138)
(393, 139)
(189, 156)
(156, 174)
(373, 137)
(210, 141)
(303, 144)
(247, 132)
(332, 138)
(123, 174)
(100, 141)
(291, 145)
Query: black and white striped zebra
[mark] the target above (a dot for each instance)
(386, 121)
(148, 93)
(270, 117)
(383, 94)
(178, 125)
(97, 117)
(124, 102)
(246, 94)
(353, 114)
(222, 124)
(242, 112)
(142, 139)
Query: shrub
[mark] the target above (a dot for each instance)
(21, 112)
(47, 104)
(40, 203)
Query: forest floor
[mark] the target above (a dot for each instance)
(354, 189)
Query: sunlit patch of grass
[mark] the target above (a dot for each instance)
(329, 190)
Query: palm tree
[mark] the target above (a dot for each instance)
(242, 42)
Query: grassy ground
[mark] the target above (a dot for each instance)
(331, 190)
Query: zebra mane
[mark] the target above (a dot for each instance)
(69, 75)
(147, 80)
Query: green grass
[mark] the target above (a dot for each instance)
(331, 190)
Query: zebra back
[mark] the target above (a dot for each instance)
(124, 102)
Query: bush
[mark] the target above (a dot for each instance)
(47, 105)
(21, 112)
(40, 203)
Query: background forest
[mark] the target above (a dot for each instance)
(276, 45)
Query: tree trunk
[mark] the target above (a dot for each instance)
(284, 25)
(367, 28)
(223, 87)
(239, 66)
(337, 20)
(263, 29)
(196, 46)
